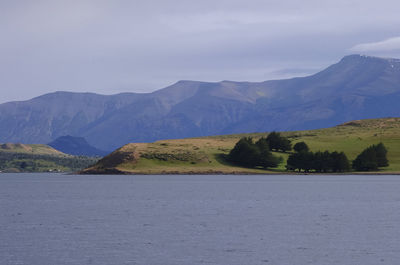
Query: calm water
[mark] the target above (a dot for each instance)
(290, 220)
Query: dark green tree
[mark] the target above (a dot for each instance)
(266, 158)
(307, 158)
(294, 162)
(245, 153)
(318, 161)
(366, 161)
(300, 161)
(340, 163)
(371, 158)
(273, 140)
(249, 154)
(301, 147)
(285, 144)
(381, 153)
(278, 142)
(327, 162)
(262, 144)
(322, 161)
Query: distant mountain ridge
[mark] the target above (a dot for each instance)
(77, 146)
(357, 87)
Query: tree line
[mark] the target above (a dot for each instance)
(303, 159)
(24, 162)
(253, 154)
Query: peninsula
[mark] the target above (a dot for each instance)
(207, 155)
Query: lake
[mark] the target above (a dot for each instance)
(176, 219)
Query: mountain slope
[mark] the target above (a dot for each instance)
(75, 146)
(357, 87)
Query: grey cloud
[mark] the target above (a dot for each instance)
(391, 44)
(114, 46)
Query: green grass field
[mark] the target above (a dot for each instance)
(206, 154)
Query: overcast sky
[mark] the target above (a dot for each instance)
(117, 46)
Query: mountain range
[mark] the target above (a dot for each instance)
(357, 87)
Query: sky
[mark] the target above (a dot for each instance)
(116, 46)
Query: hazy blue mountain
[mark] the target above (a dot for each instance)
(76, 146)
(357, 87)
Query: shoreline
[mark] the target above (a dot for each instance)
(207, 173)
(120, 172)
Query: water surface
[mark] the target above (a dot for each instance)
(289, 220)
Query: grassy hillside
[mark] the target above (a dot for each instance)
(39, 158)
(206, 154)
(38, 149)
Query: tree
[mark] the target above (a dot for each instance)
(262, 144)
(285, 144)
(301, 147)
(249, 154)
(244, 153)
(381, 153)
(273, 140)
(300, 161)
(340, 163)
(327, 162)
(318, 161)
(307, 159)
(366, 161)
(294, 162)
(266, 158)
(371, 158)
(278, 142)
